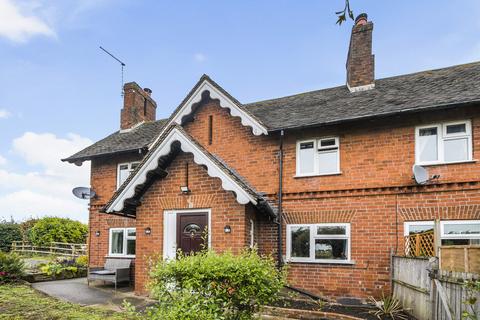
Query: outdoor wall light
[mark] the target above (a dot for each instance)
(97, 233)
(184, 189)
(148, 231)
(227, 229)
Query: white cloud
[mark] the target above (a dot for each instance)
(199, 57)
(46, 188)
(4, 114)
(3, 161)
(19, 24)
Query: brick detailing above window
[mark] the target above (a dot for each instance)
(188, 201)
(440, 212)
(115, 222)
(326, 216)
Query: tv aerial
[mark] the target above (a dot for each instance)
(83, 193)
(420, 175)
(122, 64)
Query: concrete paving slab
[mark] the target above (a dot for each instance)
(77, 291)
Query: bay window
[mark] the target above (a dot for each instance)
(122, 242)
(326, 242)
(318, 157)
(444, 143)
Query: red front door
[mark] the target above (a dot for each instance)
(191, 231)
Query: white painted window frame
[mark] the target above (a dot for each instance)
(130, 170)
(313, 236)
(252, 233)
(317, 150)
(125, 238)
(170, 223)
(457, 236)
(442, 136)
(407, 224)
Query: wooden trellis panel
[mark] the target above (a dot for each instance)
(420, 244)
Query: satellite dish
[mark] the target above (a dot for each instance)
(420, 174)
(83, 193)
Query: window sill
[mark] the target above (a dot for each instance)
(339, 262)
(317, 175)
(432, 164)
(120, 256)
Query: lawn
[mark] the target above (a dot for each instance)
(22, 302)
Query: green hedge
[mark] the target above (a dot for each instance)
(210, 285)
(9, 232)
(51, 229)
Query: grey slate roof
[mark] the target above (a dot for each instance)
(119, 142)
(401, 94)
(440, 88)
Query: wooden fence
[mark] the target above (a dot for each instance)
(55, 248)
(428, 293)
(460, 258)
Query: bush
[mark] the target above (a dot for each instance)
(82, 261)
(9, 232)
(26, 227)
(11, 267)
(209, 285)
(50, 229)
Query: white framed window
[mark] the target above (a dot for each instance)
(318, 156)
(460, 232)
(448, 142)
(124, 170)
(121, 242)
(321, 243)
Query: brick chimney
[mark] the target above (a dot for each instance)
(360, 60)
(138, 106)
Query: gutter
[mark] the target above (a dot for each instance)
(280, 199)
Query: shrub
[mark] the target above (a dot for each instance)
(11, 267)
(59, 266)
(50, 229)
(9, 232)
(209, 285)
(388, 306)
(82, 261)
(26, 227)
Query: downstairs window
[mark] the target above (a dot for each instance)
(323, 243)
(122, 242)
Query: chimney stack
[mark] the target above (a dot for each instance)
(138, 106)
(360, 60)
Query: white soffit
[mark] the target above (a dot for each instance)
(198, 156)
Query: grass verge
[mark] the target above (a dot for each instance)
(19, 302)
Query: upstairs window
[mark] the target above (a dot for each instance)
(124, 170)
(318, 157)
(444, 143)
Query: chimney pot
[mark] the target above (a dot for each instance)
(361, 19)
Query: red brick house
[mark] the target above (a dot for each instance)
(324, 176)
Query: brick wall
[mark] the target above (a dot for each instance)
(206, 193)
(375, 193)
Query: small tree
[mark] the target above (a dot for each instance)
(9, 232)
(51, 229)
(210, 285)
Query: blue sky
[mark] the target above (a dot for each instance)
(59, 92)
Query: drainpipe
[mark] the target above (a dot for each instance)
(280, 195)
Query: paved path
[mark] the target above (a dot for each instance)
(77, 291)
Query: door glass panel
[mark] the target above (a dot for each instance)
(192, 227)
